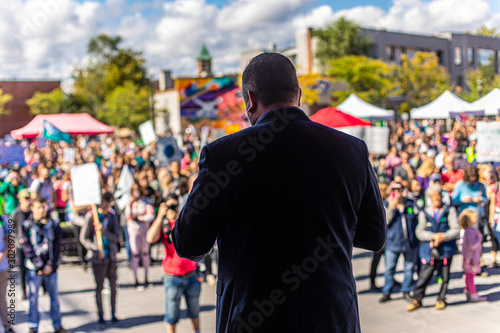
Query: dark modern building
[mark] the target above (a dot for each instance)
(456, 52)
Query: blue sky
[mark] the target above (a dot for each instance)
(41, 44)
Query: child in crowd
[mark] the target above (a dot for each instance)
(471, 250)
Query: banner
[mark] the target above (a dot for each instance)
(167, 151)
(376, 138)
(86, 184)
(122, 193)
(12, 154)
(52, 133)
(147, 131)
(488, 141)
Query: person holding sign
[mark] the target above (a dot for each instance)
(41, 242)
(104, 262)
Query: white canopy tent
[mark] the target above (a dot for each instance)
(444, 106)
(490, 103)
(359, 108)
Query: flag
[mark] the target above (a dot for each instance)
(122, 193)
(52, 133)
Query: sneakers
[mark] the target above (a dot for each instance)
(384, 298)
(407, 297)
(477, 298)
(373, 287)
(413, 305)
(211, 280)
(62, 330)
(440, 305)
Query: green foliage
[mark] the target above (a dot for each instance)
(127, 105)
(372, 80)
(4, 99)
(485, 31)
(479, 84)
(421, 80)
(339, 39)
(48, 103)
(111, 71)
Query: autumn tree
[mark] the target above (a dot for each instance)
(421, 79)
(4, 99)
(372, 80)
(48, 103)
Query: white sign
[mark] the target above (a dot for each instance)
(488, 141)
(69, 155)
(86, 184)
(376, 137)
(122, 193)
(167, 151)
(147, 131)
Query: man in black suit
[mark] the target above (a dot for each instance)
(286, 200)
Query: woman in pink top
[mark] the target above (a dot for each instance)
(139, 213)
(471, 251)
(392, 161)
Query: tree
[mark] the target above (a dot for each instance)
(52, 102)
(372, 80)
(421, 79)
(4, 99)
(111, 71)
(485, 31)
(479, 84)
(339, 39)
(127, 105)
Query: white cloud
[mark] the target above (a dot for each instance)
(47, 38)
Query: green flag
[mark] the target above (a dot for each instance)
(52, 133)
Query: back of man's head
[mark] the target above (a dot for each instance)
(272, 78)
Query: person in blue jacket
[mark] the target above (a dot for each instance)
(469, 193)
(401, 239)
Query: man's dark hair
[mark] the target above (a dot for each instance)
(272, 78)
(40, 200)
(107, 197)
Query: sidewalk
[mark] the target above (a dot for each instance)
(143, 311)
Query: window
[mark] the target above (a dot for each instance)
(458, 55)
(390, 53)
(470, 56)
(439, 54)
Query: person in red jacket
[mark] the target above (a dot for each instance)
(179, 273)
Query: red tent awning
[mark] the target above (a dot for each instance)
(334, 118)
(71, 123)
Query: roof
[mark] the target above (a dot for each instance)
(71, 123)
(490, 103)
(204, 55)
(357, 107)
(334, 118)
(442, 107)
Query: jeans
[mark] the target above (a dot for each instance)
(34, 282)
(175, 287)
(391, 260)
(496, 229)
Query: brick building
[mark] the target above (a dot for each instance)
(21, 91)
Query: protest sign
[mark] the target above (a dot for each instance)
(147, 131)
(86, 184)
(488, 141)
(12, 154)
(375, 137)
(69, 155)
(167, 151)
(122, 193)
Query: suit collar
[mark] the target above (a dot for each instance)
(285, 113)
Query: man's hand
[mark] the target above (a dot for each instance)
(98, 227)
(476, 199)
(162, 211)
(46, 270)
(102, 255)
(466, 199)
(438, 238)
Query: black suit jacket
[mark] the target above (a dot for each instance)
(286, 201)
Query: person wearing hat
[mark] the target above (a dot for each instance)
(19, 215)
(9, 189)
(401, 239)
(436, 179)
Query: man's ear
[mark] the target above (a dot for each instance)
(252, 102)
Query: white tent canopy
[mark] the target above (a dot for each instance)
(357, 107)
(490, 103)
(441, 107)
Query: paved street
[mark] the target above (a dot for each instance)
(143, 311)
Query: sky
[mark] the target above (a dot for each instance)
(46, 39)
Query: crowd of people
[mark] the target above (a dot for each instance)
(430, 181)
(439, 201)
(36, 196)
